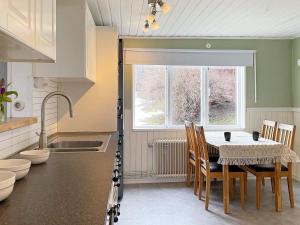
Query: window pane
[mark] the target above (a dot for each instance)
(149, 108)
(222, 96)
(185, 94)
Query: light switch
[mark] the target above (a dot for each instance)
(298, 62)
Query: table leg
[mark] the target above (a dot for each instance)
(226, 188)
(278, 191)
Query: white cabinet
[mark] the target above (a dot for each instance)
(90, 40)
(21, 20)
(3, 16)
(75, 44)
(27, 30)
(46, 27)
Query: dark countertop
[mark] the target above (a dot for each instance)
(70, 189)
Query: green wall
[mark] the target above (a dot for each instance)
(296, 73)
(274, 66)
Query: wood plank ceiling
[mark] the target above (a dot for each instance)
(203, 18)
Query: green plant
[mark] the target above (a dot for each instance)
(5, 95)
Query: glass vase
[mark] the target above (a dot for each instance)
(3, 115)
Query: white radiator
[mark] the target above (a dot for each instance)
(169, 157)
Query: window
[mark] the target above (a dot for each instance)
(165, 96)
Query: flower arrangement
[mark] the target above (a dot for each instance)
(5, 97)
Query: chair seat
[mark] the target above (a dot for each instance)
(257, 168)
(213, 158)
(215, 167)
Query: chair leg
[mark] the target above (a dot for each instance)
(233, 181)
(188, 176)
(242, 190)
(196, 180)
(258, 187)
(263, 181)
(245, 184)
(201, 182)
(273, 184)
(207, 191)
(290, 185)
(231, 187)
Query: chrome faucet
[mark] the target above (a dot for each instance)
(43, 135)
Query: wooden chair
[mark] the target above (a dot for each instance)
(192, 160)
(268, 131)
(211, 170)
(285, 134)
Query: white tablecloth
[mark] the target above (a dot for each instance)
(243, 150)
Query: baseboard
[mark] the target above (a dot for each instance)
(149, 180)
(177, 179)
(162, 179)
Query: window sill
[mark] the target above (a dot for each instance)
(223, 128)
(14, 123)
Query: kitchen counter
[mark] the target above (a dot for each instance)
(69, 189)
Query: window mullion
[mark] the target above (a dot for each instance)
(237, 99)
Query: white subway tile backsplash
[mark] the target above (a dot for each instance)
(15, 140)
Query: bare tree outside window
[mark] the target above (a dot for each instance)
(185, 94)
(149, 95)
(222, 96)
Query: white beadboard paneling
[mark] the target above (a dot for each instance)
(138, 155)
(203, 18)
(15, 140)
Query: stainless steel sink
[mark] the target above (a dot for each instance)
(78, 143)
(75, 144)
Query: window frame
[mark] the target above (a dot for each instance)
(204, 117)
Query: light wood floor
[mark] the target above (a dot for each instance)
(175, 204)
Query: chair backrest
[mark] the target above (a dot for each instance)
(285, 134)
(268, 130)
(202, 146)
(190, 136)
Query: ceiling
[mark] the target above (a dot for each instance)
(203, 18)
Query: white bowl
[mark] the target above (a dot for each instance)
(19, 166)
(36, 156)
(7, 180)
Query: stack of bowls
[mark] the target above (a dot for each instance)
(19, 166)
(36, 156)
(7, 180)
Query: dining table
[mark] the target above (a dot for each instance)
(242, 150)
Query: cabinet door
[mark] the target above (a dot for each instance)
(90, 46)
(20, 20)
(3, 14)
(46, 27)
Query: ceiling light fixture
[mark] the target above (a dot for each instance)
(155, 25)
(156, 6)
(165, 7)
(146, 26)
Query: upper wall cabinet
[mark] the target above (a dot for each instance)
(46, 26)
(27, 30)
(3, 14)
(75, 43)
(21, 20)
